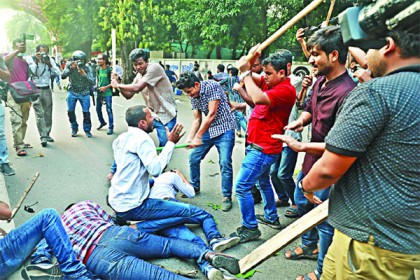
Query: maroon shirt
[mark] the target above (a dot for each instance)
(323, 106)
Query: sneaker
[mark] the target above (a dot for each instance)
(101, 125)
(246, 234)
(221, 244)
(213, 273)
(41, 271)
(73, 132)
(110, 131)
(262, 220)
(7, 170)
(226, 204)
(88, 134)
(49, 139)
(227, 262)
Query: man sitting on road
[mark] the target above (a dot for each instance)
(18, 244)
(98, 242)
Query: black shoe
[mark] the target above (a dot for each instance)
(226, 204)
(282, 203)
(49, 139)
(262, 220)
(73, 132)
(246, 234)
(110, 131)
(7, 170)
(88, 134)
(227, 262)
(44, 142)
(101, 125)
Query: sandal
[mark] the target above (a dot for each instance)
(291, 212)
(307, 253)
(314, 275)
(21, 152)
(28, 146)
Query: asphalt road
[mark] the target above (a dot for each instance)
(74, 169)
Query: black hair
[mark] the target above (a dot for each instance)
(137, 53)
(167, 66)
(407, 42)
(221, 67)
(16, 40)
(134, 114)
(187, 80)
(278, 60)
(42, 46)
(234, 71)
(105, 57)
(196, 65)
(69, 206)
(329, 39)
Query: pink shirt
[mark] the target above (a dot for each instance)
(20, 71)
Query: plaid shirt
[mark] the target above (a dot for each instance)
(224, 120)
(84, 223)
(78, 84)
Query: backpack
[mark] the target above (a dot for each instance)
(24, 91)
(115, 92)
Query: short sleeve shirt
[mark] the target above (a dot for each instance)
(379, 123)
(224, 120)
(158, 93)
(267, 120)
(103, 80)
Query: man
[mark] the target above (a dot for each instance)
(103, 86)
(328, 58)
(18, 244)
(136, 158)
(119, 70)
(98, 242)
(220, 74)
(273, 97)
(197, 71)
(4, 152)
(216, 128)
(41, 68)
(375, 214)
(80, 81)
(19, 113)
(156, 88)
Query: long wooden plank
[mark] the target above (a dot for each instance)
(286, 236)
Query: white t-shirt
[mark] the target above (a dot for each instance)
(168, 184)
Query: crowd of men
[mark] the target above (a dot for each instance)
(362, 156)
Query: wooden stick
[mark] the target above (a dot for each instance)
(329, 12)
(286, 236)
(114, 51)
(286, 26)
(25, 193)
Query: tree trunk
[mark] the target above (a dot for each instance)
(125, 49)
(218, 52)
(208, 55)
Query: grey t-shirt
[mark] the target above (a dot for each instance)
(379, 123)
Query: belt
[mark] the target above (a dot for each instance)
(256, 147)
(91, 249)
(46, 87)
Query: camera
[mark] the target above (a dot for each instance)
(44, 58)
(366, 27)
(308, 31)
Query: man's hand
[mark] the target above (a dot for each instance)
(109, 176)
(102, 89)
(307, 81)
(176, 133)
(243, 64)
(300, 35)
(290, 141)
(362, 75)
(81, 71)
(313, 199)
(296, 125)
(114, 83)
(237, 86)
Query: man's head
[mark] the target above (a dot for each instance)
(327, 50)
(103, 59)
(189, 82)
(41, 49)
(167, 66)
(257, 67)
(139, 116)
(196, 66)
(17, 43)
(220, 68)
(140, 60)
(402, 49)
(275, 67)
(229, 68)
(234, 71)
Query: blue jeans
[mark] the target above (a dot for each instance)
(4, 152)
(255, 167)
(281, 174)
(224, 144)
(159, 214)
(16, 246)
(324, 230)
(240, 121)
(85, 103)
(121, 250)
(161, 130)
(108, 104)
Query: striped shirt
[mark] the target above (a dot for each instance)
(224, 120)
(84, 223)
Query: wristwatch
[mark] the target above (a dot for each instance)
(300, 186)
(243, 75)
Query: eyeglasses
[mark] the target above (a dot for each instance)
(256, 64)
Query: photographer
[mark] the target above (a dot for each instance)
(80, 81)
(4, 153)
(41, 68)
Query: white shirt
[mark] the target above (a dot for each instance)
(168, 184)
(136, 159)
(41, 72)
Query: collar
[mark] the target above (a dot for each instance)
(409, 68)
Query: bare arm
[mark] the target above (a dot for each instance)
(195, 125)
(4, 75)
(242, 92)
(360, 56)
(207, 120)
(297, 146)
(255, 92)
(300, 34)
(128, 91)
(5, 212)
(297, 125)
